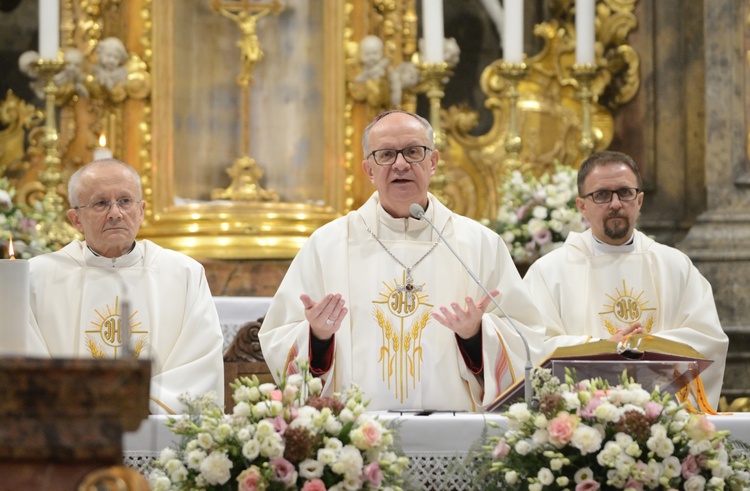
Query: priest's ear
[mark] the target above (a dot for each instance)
(75, 219)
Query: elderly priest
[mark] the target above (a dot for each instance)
(79, 293)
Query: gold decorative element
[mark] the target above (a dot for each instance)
(513, 72)
(16, 117)
(59, 232)
(434, 77)
(549, 107)
(584, 74)
(245, 186)
(245, 171)
(115, 478)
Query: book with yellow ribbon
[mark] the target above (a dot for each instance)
(651, 361)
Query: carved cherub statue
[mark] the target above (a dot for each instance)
(71, 79)
(110, 69)
(404, 76)
(26, 63)
(374, 63)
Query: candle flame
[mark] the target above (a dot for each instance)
(11, 252)
(102, 140)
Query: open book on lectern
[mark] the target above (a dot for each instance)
(649, 360)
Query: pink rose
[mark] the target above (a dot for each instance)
(371, 433)
(587, 485)
(284, 471)
(373, 474)
(314, 485)
(501, 450)
(276, 395)
(249, 479)
(690, 467)
(653, 410)
(561, 428)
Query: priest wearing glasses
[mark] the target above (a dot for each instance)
(85, 295)
(613, 281)
(377, 298)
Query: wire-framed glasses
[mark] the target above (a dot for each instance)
(124, 204)
(388, 156)
(602, 196)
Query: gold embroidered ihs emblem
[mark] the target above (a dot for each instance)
(402, 314)
(627, 307)
(106, 338)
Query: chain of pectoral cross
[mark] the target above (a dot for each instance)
(408, 287)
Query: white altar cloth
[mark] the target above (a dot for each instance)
(434, 442)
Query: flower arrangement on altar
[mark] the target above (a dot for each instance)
(22, 223)
(589, 435)
(284, 437)
(536, 214)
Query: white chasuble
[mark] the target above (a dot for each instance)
(388, 343)
(77, 312)
(585, 296)
(621, 290)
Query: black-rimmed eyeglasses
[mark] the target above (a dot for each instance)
(124, 204)
(605, 195)
(388, 156)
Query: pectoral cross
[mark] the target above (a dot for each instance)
(409, 288)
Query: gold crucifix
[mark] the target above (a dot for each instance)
(245, 172)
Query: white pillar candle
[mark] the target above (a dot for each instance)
(432, 30)
(14, 306)
(102, 152)
(513, 35)
(585, 31)
(49, 28)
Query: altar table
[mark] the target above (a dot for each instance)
(436, 443)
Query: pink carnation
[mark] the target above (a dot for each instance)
(561, 428)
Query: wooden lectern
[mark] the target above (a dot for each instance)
(60, 419)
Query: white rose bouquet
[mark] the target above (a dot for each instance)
(280, 438)
(536, 214)
(588, 435)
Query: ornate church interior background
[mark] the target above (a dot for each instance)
(248, 138)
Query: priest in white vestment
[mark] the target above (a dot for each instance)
(376, 298)
(80, 294)
(612, 280)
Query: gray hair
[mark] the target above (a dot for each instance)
(423, 121)
(74, 183)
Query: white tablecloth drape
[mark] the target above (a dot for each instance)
(436, 443)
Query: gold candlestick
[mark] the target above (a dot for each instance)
(58, 232)
(513, 73)
(584, 74)
(434, 76)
